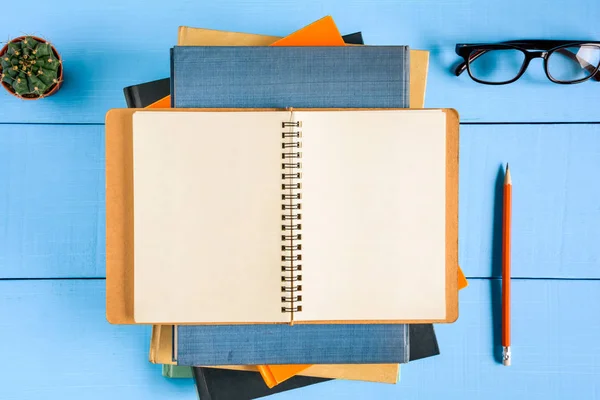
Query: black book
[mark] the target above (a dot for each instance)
(353, 38)
(144, 94)
(226, 384)
(422, 342)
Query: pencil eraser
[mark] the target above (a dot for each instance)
(506, 356)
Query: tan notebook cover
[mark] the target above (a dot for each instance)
(119, 209)
(161, 345)
(188, 36)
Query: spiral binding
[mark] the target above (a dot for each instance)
(291, 227)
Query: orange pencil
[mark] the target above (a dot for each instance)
(506, 222)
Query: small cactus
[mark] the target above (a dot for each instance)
(30, 67)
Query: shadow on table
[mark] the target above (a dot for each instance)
(495, 282)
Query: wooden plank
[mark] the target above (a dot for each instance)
(132, 43)
(556, 218)
(52, 207)
(62, 347)
(58, 345)
(52, 218)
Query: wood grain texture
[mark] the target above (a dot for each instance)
(556, 226)
(108, 46)
(52, 209)
(58, 335)
(60, 346)
(51, 201)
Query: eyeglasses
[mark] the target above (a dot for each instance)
(565, 61)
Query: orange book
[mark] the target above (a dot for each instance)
(273, 375)
(165, 102)
(462, 280)
(323, 32)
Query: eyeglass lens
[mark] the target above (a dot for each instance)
(573, 63)
(496, 66)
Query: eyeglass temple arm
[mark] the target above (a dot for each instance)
(460, 68)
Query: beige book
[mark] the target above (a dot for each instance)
(161, 345)
(188, 36)
(419, 65)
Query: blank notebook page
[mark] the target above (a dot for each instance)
(373, 215)
(207, 219)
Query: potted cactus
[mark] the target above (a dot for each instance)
(30, 68)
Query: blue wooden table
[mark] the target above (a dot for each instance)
(55, 342)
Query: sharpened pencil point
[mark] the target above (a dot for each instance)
(507, 179)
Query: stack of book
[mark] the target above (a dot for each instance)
(283, 211)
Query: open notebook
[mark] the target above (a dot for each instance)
(294, 216)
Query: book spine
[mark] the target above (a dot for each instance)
(176, 372)
(172, 76)
(132, 97)
(154, 338)
(201, 384)
(291, 197)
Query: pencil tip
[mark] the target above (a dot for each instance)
(507, 178)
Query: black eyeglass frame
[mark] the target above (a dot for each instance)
(531, 49)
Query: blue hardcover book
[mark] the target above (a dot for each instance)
(285, 344)
(280, 77)
(302, 77)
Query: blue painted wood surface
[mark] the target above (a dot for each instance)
(109, 46)
(53, 214)
(555, 202)
(57, 344)
(54, 332)
(52, 196)
(61, 347)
